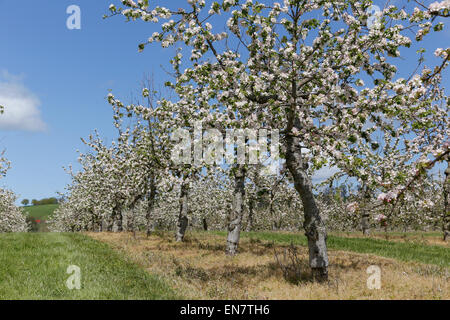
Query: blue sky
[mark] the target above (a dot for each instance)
(59, 79)
(64, 75)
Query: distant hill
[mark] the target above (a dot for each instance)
(41, 211)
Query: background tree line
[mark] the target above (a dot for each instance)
(34, 202)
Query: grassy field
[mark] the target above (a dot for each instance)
(34, 265)
(120, 266)
(392, 234)
(41, 211)
(199, 269)
(403, 251)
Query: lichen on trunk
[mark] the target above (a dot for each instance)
(118, 218)
(235, 214)
(183, 220)
(446, 213)
(151, 204)
(365, 224)
(314, 226)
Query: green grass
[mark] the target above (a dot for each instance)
(34, 265)
(41, 211)
(408, 234)
(429, 254)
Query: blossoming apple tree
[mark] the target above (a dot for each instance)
(12, 218)
(301, 66)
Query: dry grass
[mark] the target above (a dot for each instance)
(199, 269)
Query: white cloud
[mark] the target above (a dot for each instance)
(21, 105)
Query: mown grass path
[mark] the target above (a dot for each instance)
(34, 265)
(429, 254)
